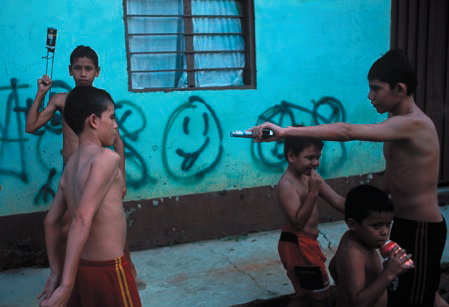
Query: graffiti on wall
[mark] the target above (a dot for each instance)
(324, 111)
(192, 139)
(131, 121)
(13, 140)
(192, 142)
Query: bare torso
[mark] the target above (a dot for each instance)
(412, 172)
(345, 275)
(107, 234)
(301, 187)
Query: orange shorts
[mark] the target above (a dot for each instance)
(105, 283)
(305, 263)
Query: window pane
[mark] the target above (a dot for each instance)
(155, 7)
(156, 61)
(154, 80)
(156, 43)
(155, 25)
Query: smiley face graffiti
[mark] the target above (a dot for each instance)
(192, 144)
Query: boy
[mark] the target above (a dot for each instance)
(299, 250)
(356, 267)
(95, 271)
(411, 151)
(84, 69)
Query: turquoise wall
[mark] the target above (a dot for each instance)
(311, 55)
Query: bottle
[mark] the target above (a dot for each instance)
(249, 134)
(386, 249)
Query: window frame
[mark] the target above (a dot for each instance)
(248, 30)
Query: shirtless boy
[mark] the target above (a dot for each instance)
(95, 271)
(356, 268)
(411, 151)
(299, 250)
(84, 69)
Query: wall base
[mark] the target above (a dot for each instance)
(172, 220)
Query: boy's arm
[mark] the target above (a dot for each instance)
(352, 280)
(120, 149)
(36, 119)
(103, 171)
(54, 241)
(332, 197)
(298, 213)
(398, 127)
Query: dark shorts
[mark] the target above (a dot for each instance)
(425, 241)
(304, 262)
(104, 283)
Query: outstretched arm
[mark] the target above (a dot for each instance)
(398, 127)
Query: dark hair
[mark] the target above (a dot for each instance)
(364, 199)
(297, 145)
(83, 101)
(84, 51)
(394, 67)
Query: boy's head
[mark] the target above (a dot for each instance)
(84, 101)
(364, 199)
(393, 68)
(369, 214)
(84, 52)
(84, 65)
(303, 154)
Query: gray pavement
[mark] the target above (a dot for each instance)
(219, 273)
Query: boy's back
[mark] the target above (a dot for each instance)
(87, 169)
(352, 253)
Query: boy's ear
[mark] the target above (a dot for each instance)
(352, 224)
(290, 156)
(98, 72)
(70, 70)
(92, 121)
(401, 88)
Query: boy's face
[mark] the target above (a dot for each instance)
(375, 229)
(83, 71)
(382, 97)
(306, 160)
(107, 126)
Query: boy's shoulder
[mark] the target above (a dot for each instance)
(58, 100)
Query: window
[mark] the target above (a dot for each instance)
(190, 44)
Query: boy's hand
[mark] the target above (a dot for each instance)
(314, 181)
(44, 84)
(257, 132)
(50, 286)
(397, 262)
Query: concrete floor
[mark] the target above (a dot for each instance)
(219, 273)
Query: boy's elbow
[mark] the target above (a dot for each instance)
(344, 132)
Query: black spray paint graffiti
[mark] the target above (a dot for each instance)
(192, 143)
(11, 139)
(326, 110)
(128, 111)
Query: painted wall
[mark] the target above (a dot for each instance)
(312, 61)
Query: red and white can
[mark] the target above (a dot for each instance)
(386, 249)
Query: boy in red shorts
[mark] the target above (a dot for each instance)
(94, 271)
(299, 250)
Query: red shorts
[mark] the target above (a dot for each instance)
(305, 263)
(105, 283)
